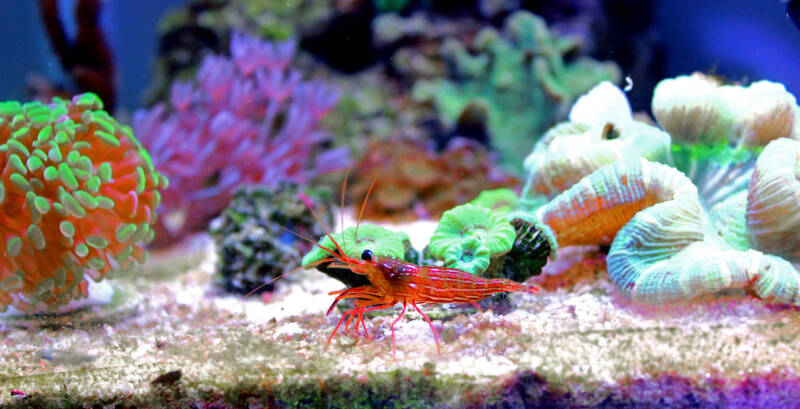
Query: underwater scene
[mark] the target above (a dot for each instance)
(400, 204)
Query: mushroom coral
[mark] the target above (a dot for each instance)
(78, 198)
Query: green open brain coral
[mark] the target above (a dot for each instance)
(77, 198)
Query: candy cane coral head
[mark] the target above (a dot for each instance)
(77, 198)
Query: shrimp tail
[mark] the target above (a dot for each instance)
(441, 284)
(504, 285)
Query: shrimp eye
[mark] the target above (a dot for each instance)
(366, 255)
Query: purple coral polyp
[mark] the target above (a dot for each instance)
(247, 118)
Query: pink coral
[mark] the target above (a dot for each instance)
(243, 119)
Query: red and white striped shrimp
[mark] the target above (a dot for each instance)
(395, 281)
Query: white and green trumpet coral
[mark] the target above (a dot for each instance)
(673, 251)
(601, 130)
(727, 214)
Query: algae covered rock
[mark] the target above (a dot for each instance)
(534, 245)
(254, 233)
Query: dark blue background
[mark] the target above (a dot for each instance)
(739, 39)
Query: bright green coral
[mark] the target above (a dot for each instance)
(497, 200)
(380, 240)
(473, 224)
(520, 77)
(470, 255)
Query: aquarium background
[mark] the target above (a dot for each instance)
(740, 39)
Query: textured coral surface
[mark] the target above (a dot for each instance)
(588, 347)
(77, 197)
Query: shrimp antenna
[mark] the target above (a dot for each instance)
(344, 188)
(371, 186)
(262, 285)
(327, 250)
(364, 204)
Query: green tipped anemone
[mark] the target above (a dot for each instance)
(497, 200)
(381, 241)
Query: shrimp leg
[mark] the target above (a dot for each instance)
(435, 336)
(364, 291)
(394, 349)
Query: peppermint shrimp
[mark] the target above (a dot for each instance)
(394, 281)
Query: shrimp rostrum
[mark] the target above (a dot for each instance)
(394, 281)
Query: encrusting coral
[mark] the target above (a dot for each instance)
(78, 198)
(671, 240)
(243, 119)
(514, 72)
(253, 233)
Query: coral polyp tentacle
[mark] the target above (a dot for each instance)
(62, 215)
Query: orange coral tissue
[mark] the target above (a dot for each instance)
(77, 198)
